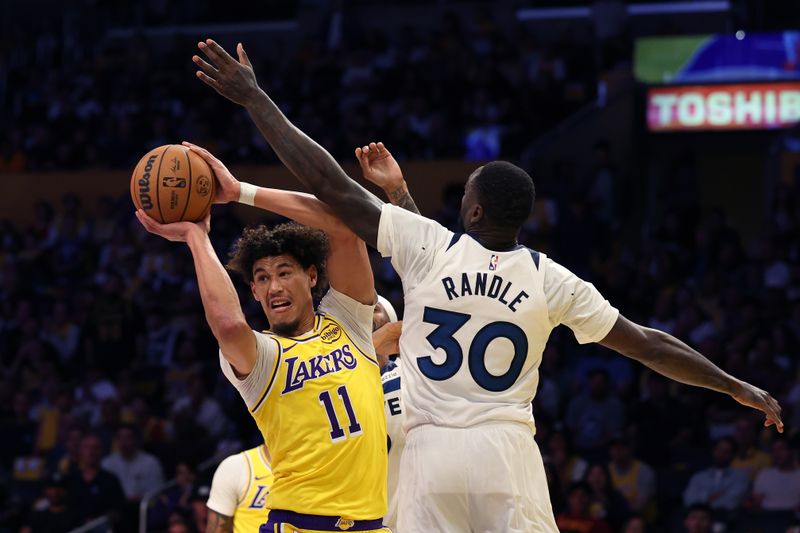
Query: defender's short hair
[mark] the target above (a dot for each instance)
(306, 245)
(506, 193)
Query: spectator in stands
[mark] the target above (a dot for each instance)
(94, 490)
(749, 459)
(137, 471)
(577, 517)
(720, 487)
(635, 524)
(635, 480)
(67, 456)
(569, 468)
(698, 519)
(55, 514)
(777, 487)
(606, 502)
(176, 498)
(205, 409)
(595, 417)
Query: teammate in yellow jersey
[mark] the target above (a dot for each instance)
(312, 382)
(238, 498)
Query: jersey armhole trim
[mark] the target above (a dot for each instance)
(272, 377)
(250, 472)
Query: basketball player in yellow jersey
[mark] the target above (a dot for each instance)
(311, 383)
(237, 502)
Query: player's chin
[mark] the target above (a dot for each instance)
(283, 325)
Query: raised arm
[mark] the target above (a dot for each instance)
(311, 164)
(348, 265)
(674, 359)
(220, 301)
(381, 168)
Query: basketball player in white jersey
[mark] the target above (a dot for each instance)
(385, 314)
(479, 310)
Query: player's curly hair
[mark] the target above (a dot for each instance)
(308, 246)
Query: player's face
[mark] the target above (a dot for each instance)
(379, 317)
(471, 210)
(283, 287)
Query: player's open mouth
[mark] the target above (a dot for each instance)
(280, 305)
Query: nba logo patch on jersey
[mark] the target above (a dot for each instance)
(493, 262)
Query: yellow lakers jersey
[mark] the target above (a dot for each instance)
(252, 509)
(321, 416)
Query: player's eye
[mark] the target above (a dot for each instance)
(262, 278)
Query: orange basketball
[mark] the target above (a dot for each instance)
(172, 183)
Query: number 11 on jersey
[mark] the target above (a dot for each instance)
(337, 433)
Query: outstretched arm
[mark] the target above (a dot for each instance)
(311, 164)
(674, 359)
(381, 168)
(348, 266)
(220, 301)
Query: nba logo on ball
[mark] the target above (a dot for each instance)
(493, 262)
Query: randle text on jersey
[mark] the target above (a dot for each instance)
(479, 284)
(298, 372)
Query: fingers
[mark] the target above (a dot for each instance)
(205, 67)
(243, 59)
(211, 82)
(202, 152)
(215, 52)
(362, 154)
(149, 224)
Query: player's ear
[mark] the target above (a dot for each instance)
(477, 213)
(253, 290)
(312, 275)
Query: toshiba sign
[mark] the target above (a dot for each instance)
(723, 107)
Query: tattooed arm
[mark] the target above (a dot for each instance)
(382, 169)
(311, 164)
(219, 523)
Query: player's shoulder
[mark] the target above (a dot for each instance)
(234, 465)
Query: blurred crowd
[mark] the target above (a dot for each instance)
(109, 376)
(469, 88)
(110, 380)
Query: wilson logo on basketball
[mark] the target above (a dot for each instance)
(203, 185)
(174, 182)
(330, 333)
(144, 184)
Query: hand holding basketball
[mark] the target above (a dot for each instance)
(235, 80)
(175, 231)
(228, 187)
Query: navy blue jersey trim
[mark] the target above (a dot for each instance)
(535, 256)
(456, 237)
(391, 385)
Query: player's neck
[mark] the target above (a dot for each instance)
(496, 239)
(305, 325)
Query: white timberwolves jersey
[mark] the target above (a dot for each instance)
(393, 408)
(476, 321)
